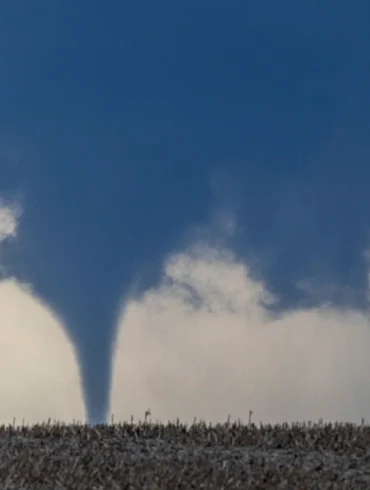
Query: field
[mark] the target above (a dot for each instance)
(154, 456)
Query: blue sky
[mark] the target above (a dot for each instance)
(128, 130)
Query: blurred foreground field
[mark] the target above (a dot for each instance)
(153, 456)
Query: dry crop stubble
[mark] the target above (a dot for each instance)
(151, 455)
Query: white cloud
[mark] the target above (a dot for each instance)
(39, 371)
(202, 344)
(8, 221)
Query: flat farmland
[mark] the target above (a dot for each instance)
(156, 456)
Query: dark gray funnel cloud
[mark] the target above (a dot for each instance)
(82, 242)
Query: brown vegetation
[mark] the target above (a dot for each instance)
(154, 456)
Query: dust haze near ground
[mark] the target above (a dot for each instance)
(204, 344)
(39, 372)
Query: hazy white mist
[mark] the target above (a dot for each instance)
(203, 345)
(39, 371)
